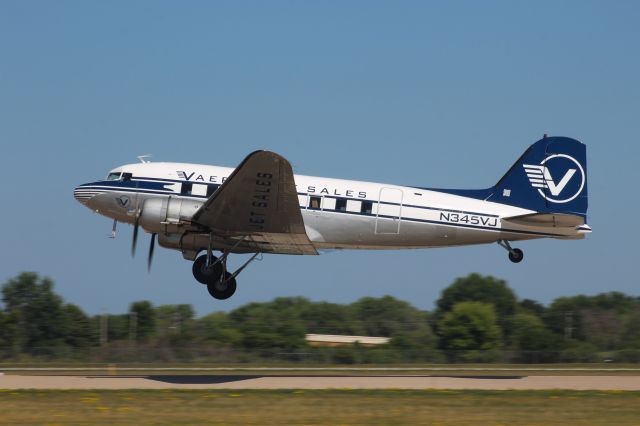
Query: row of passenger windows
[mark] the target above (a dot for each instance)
(313, 202)
(338, 204)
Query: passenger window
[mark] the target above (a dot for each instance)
(328, 203)
(199, 189)
(354, 206)
(186, 188)
(126, 177)
(314, 203)
(366, 207)
(341, 204)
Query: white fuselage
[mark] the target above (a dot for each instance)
(338, 214)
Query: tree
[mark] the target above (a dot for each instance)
(272, 327)
(35, 312)
(533, 341)
(470, 326)
(330, 318)
(387, 316)
(598, 319)
(7, 335)
(79, 332)
(631, 333)
(577, 351)
(145, 319)
(175, 324)
(117, 326)
(532, 306)
(218, 327)
(478, 288)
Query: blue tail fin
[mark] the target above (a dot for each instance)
(550, 177)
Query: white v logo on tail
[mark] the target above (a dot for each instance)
(556, 190)
(540, 177)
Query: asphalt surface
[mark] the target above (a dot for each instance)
(10, 381)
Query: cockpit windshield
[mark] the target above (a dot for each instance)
(114, 176)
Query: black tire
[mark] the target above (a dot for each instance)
(516, 255)
(222, 289)
(205, 275)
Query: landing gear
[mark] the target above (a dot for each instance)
(223, 288)
(207, 274)
(209, 270)
(515, 254)
(212, 271)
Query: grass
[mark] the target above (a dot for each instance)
(347, 407)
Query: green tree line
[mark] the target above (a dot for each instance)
(476, 319)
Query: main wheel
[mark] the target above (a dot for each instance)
(223, 289)
(516, 255)
(206, 274)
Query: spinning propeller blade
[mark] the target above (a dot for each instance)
(151, 247)
(135, 238)
(136, 225)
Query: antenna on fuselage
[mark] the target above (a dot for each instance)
(143, 158)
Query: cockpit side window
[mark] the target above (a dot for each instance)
(114, 176)
(126, 177)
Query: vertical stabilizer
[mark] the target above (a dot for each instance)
(550, 177)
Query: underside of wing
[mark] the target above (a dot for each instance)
(258, 202)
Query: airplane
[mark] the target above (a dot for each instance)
(262, 207)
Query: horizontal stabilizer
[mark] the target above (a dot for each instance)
(550, 220)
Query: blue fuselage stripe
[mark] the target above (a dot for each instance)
(134, 187)
(158, 185)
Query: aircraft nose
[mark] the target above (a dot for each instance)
(83, 194)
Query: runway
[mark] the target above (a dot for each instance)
(10, 381)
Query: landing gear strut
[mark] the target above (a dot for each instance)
(515, 254)
(212, 271)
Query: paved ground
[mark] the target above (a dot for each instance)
(9, 381)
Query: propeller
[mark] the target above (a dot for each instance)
(136, 225)
(135, 237)
(134, 242)
(151, 247)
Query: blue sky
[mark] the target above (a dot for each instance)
(440, 94)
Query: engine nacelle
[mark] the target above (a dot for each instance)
(189, 244)
(167, 215)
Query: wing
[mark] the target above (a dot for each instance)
(259, 202)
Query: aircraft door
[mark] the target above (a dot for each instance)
(389, 211)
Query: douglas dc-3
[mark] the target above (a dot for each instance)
(262, 207)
